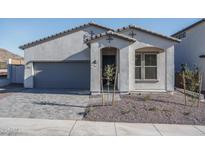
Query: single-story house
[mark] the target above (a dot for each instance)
(191, 49)
(75, 58)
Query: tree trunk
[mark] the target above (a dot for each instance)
(200, 86)
(102, 92)
(184, 85)
(113, 96)
(108, 84)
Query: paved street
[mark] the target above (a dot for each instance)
(32, 127)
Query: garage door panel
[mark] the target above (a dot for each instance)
(72, 75)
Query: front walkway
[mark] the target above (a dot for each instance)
(20, 126)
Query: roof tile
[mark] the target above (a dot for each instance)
(30, 44)
(110, 33)
(147, 31)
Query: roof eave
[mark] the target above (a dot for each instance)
(110, 33)
(148, 31)
(95, 24)
(61, 34)
(185, 29)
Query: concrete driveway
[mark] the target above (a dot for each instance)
(31, 127)
(43, 104)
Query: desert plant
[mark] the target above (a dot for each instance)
(191, 80)
(191, 75)
(186, 113)
(184, 85)
(115, 80)
(154, 109)
(146, 98)
(200, 87)
(3, 65)
(125, 110)
(109, 73)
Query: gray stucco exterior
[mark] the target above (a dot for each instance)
(190, 49)
(72, 47)
(165, 62)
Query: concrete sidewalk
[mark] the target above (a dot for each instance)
(42, 127)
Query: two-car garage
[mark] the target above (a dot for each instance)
(62, 75)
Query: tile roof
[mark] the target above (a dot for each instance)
(60, 34)
(147, 31)
(191, 26)
(94, 37)
(109, 32)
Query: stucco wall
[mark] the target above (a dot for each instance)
(202, 69)
(165, 62)
(72, 47)
(28, 75)
(67, 48)
(123, 51)
(190, 48)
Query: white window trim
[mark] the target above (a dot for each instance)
(143, 67)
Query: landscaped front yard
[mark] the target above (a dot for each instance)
(149, 108)
(61, 104)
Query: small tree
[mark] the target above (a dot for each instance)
(109, 75)
(191, 80)
(200, 87)
(115, 80)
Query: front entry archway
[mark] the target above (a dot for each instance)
(109, 56)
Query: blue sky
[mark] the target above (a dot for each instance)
(16, 32)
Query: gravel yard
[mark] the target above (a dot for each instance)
(149, 108)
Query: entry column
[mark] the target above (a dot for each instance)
(124, 70)
(95, 64)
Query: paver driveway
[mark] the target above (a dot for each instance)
(44, 104)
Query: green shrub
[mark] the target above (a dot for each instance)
(3, 65)
(191, 78)
(125, 110)
(153, 109)
(146, 98)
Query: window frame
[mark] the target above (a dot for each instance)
(138, 66)
(143, 66)
(181, 35)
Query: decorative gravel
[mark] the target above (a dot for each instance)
(149, 108)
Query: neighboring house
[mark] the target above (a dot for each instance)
(74, 59)
(5, 55)
(191, 49)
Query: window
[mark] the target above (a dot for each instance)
(138, 66)
(150, 66)
(146, 66)
(181, 35)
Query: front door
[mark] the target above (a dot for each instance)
(107, 60)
